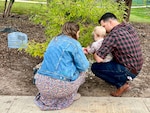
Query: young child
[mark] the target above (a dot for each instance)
(98, 36)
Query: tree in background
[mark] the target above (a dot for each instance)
(7, 8)
(128, 3)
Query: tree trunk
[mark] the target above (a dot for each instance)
(128, 3)
(7, 9)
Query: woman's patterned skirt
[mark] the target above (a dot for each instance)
(56, 94)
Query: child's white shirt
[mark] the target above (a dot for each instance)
(95, 46)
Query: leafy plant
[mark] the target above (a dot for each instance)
(85, 12)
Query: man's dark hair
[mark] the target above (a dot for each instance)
(107, 16)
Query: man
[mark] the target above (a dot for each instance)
(123, 42)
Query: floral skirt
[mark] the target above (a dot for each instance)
(56, 94)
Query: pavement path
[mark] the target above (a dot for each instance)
(24, 104)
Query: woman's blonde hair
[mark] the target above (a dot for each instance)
(70, 29)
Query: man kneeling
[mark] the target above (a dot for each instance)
(123, 42)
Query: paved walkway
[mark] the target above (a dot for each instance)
(24, 104)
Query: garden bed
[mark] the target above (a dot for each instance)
(16, 67)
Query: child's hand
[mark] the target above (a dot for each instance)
(85, 50)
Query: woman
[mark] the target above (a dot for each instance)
(62, 70)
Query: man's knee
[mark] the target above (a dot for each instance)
(96, 68)
(93, 67)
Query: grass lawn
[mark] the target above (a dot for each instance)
(22, 8)
(140, 15)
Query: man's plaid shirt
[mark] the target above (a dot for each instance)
(123, 43)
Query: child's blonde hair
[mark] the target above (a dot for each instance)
(100, 31)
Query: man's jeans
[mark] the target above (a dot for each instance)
(112, 72)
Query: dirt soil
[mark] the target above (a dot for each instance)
(16, 67)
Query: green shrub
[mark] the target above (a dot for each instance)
(85, 12)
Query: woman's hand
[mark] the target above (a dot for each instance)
(85, 50)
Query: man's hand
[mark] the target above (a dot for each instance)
(97, 58)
